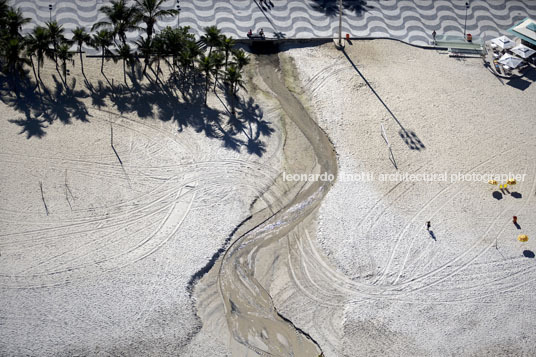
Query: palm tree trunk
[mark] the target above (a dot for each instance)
(102, 62)
(39, 70)
(232, 99)
(35, 75)
(149, 31)
(56, 55)
(64, 68)
(146, 64)
(124, 72)
(81, 62)
(206, 90)
(59, 73)
(215, 81)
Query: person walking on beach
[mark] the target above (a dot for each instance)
(428, 225)
(514, 219)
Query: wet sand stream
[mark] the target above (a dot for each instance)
(254, 323)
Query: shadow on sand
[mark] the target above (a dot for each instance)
(528, 254)
(44, 106)
(408, 136)
(179, 99)
(525, 81)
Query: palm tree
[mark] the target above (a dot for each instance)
(4, 8)
(233, 77)
(121, 18)
(188, 55)
(173, 41)
(101, 41)
(55, 36)
(159, 49)
(81, 37)
(146, 48)
(212, 37)
(64, 55)
(30, 53)
(240, 58)
(218, 60)
(38, 45)
(150, 10)
(227, 45)
(14, 19)
(14, 57)
(206, 66)
(125, 54)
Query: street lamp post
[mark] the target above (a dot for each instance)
(179, 14)
(50, 12)
(340, 22)
(465, 24)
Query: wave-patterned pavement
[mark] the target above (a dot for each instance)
(411, 21)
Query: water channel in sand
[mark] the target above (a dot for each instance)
(232, 288)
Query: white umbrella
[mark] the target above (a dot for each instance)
(523, 51)
(503, 42)
(510, 61)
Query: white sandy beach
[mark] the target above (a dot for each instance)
(107, 271)
(411, 294)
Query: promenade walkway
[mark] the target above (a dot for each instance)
(411, 21)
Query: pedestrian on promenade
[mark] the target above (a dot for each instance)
(434, 36)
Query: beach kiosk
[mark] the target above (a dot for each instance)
(526, 31)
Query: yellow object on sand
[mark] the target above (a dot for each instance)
(511, 182)
(522, 238)
(492, 182)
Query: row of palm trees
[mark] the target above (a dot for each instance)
(177, 48)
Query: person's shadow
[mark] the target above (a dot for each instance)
(517, 225)
(432, 235)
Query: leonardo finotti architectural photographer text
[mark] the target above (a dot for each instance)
(406, 176)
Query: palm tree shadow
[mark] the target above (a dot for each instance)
(98, 94)
(61, 103)
(31, 125)
(64, 104)
(152, 100)
(24, 99)
(331, 7)
(250, 120)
